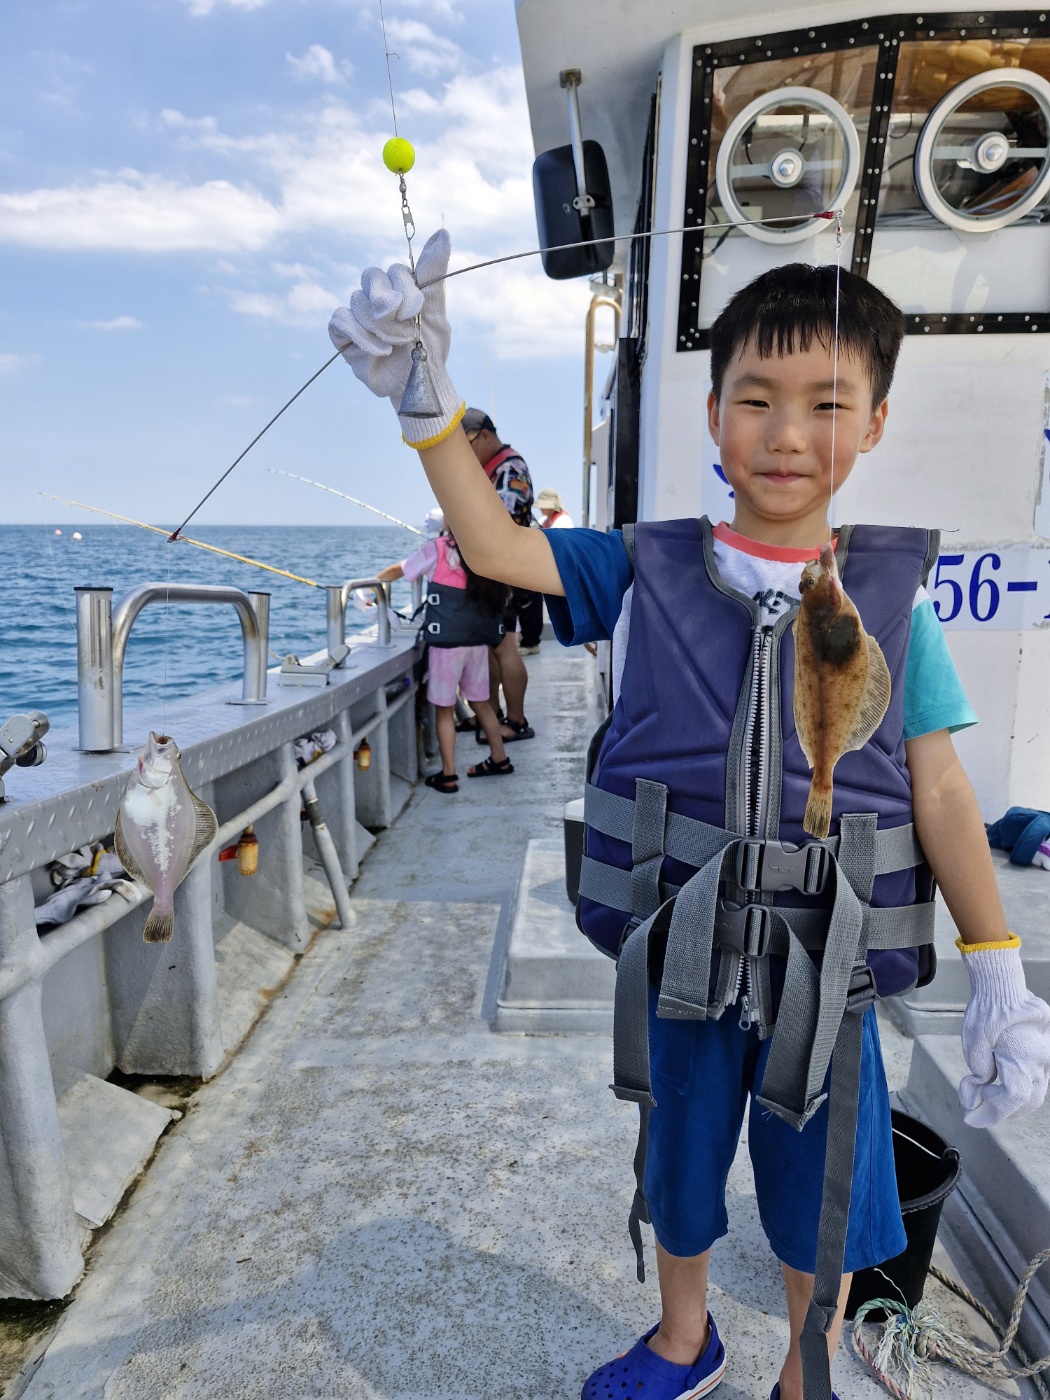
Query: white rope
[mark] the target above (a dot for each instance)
(912, 1339)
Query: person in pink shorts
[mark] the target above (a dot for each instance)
(461, 607)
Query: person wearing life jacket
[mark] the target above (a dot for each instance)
(551, 506)
(749, 956)
(507, 471)
(461, 621)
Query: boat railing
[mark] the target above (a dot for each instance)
(102, 638)
(338, 596)
(89, 996)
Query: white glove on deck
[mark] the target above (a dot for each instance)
(1005, 1035)
(377, 331)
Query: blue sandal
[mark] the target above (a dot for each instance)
(641, 1373)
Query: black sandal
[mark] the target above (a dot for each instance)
(488, 768)
(443, 782)
(467, 726)
(524, 730)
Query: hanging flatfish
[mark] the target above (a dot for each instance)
(842, 683)
(162, 827)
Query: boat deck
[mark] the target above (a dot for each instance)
(380, 1197)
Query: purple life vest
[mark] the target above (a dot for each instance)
(684, 719)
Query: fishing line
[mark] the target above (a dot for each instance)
(294, 476)
(175, 533)
(59, 590)
(835, 369)
(719, 224)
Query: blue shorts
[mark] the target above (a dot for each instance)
(702, 1075)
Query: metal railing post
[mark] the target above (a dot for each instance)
(253, 685)
(381, 594)
(336, 607)
(261, 606)
(95, 680)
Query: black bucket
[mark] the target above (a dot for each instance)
(927, 1170)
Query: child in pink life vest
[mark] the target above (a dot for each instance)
(462, 620)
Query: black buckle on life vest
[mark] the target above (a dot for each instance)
(763, 866)
(862, 991)
(745, 928)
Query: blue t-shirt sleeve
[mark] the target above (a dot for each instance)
(595, 573)
(933, 693)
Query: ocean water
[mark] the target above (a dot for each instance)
(179, 649)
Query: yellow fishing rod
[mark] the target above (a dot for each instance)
(212, 548)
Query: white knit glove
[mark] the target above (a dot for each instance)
(1005, 1036)
(377, 331)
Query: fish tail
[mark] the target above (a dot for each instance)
(817, 820)
(159, 926)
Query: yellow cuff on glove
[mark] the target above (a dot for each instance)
(1012, 942)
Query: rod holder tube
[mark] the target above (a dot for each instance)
(95, 678)
(260, 601)
(336, 607)
(381, 593)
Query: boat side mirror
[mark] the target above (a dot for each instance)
(559, 221)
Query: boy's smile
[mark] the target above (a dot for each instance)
(774, 427)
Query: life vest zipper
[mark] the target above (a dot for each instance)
(755, 788)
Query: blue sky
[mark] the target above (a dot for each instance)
(188, 188)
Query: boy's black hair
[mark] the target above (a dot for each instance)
(788, 308)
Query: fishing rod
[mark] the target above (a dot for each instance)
(294, 476)
(719, 224)
(184, 539)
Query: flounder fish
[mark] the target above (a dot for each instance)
(842, 682)
(162, 827)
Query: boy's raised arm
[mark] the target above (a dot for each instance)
(376, 334)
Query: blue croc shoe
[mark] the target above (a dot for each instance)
(640, 1372)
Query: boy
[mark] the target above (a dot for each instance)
(709, 642)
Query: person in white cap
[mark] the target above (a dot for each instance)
(552, 508)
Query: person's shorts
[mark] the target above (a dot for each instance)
(522, 604)
(702, 1075)
(462, 668)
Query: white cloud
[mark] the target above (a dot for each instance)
(205, 7)
(191, 125)
(11, 364)
(318, 62)
(118, 323)
(416, 44)
(140, 213)
(321, 178)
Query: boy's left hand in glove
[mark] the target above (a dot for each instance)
(1005, 1036)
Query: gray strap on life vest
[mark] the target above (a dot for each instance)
(811, 1009)
(900, 926)
(685, 987)
(647, 846)
(631, 1079)
(694, 842)
(835, 1201)
(639, 1215)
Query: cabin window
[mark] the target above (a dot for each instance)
(934, 139)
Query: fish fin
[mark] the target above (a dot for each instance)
(207, 826)
(875, 700)
(817, 820)
(159, 927)
(125, 857)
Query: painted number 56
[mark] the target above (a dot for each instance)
(983, 592)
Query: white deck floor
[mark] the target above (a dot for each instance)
(381, 1198)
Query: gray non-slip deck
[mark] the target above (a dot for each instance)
(382, 1199)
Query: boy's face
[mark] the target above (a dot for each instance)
(773, 425)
